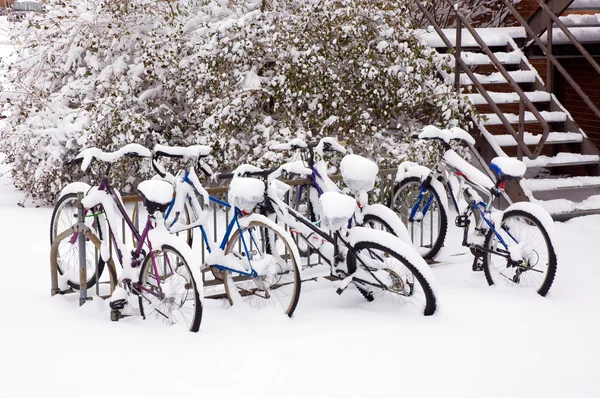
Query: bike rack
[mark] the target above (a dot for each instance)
(84, 233)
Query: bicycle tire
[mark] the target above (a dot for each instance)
(397, 273)
(402, 202)
(513, 275)
(178, 277)
(59, 224)
(287, 275)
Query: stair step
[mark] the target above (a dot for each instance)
(550, 117)
(563, 159)
(509, 98)
(493, 37)
(561, 209)
(505, 140)
(557, 184)
(475, 59)
(519, 76)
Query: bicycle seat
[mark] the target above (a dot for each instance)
(156, 195)
(336, 210)
(359, 173)
(508, 168)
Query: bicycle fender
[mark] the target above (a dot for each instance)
(389, 216)
(74, 187)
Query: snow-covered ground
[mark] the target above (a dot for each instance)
(483, 341)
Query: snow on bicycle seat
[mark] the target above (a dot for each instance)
(130, 149)
(156, 195)
(359, 173)
(455, 133)
(245, 193)
(192, 151)
(508, 168)
(336, 210)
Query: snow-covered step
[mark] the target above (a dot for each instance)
(474, 59)
(509, 98)
(552, 184)
(550, 117)
(493, 37)
(519, 76)
(562, 159)
(505, 140)
(564, 209)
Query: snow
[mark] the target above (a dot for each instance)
(389, 216)
(359, 173)
(469, 170)
(534, 139)
(447, 136)
(467, 346)
(471, 58)
(295, 143)
(360, 234)
(74, 187)
(583, 35)
(584, 4)
(245, 193)
(491, 36)
(550, 117)
(333, 143)
(540, 213)
(546, 184)
(509, 98)
(156, 191)
(509, 167)
(296, 167)
(336, 210)
(519, 76)
(192, 151)
(90, 153)
(560, 158)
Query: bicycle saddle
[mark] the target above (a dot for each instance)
(336, 210)
(508, 168)
(156, 195)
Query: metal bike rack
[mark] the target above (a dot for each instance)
(83, 233)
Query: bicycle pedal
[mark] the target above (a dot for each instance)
(462, 221)
(477, 265)
(115, 315)
(117, 305)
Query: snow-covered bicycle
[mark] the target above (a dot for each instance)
(256, 259)
(159, 271)
(359, 175)
(512, 246)
(377, 263)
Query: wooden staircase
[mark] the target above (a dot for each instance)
(520, 117)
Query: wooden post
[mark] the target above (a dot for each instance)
(521, 132)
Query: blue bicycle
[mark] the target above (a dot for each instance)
(513, 246)
(256, 259)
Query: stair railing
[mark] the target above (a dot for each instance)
(547, 49)
(523, 149)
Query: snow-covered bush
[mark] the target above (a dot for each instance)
(480, 13)
(236, 75)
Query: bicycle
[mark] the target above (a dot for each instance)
(161, 278)
(513, 246)
(261, 255)
(377, 263)
(359, 175)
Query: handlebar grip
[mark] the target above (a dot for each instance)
(74, 161)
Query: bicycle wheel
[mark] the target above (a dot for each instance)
(168, 292)
(278, 282)
(386, 274)
(535, 264)
(64, 216)
(429, 227)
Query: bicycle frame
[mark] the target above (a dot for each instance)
(443, 169)
(234, 223)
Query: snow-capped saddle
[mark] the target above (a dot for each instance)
(156, 195)
(508, 168)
